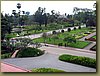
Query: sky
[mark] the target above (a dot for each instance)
(31, 6)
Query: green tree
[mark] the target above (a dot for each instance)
(6, 26)
(39, 16)
(69, 39)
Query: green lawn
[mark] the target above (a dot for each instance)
(78, 44)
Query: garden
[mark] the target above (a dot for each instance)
(69, 38)
(35, 29)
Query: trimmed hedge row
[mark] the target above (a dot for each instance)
(46, 70)
(85, 61)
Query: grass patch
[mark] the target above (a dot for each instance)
(78, 44)
(46, 70)
(85, 61)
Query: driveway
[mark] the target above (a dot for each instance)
(48, 61)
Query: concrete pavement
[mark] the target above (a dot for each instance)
(90, 46)
(60, 51)
(48, 61)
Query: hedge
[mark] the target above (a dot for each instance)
(29, 52)
(46, 70)
(85, 61)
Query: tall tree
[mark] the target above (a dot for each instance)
(39, 16)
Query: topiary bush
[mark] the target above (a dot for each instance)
(79, 27)
(69, 29)
(85, 61)
(29, 52)
(74, 28)
(54, 32)
(62, 31)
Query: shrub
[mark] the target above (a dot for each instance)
(74, 28)
(85, 61)
(7, 55)
(79, 27)
(69, 29)
(65, 45)
(62, 31)
(54, 32)
(46, 70)
(29, 52)
(60, 44)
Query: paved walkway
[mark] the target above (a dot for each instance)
(69, 48)
(60, 51)
(48, 61)
(90, 46)
(14, 54)
(5, 67)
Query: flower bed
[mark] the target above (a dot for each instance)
(90, 39)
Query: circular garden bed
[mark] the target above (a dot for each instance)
(29, 52)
